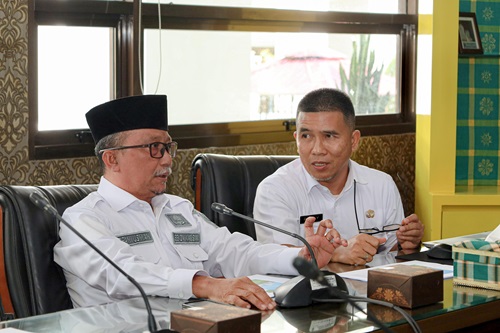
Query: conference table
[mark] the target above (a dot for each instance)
(463, 309)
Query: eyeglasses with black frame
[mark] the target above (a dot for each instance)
(372, 231)
(156, 149)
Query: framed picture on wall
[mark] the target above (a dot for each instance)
(469, 40)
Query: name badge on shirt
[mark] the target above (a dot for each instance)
(178, 220)
(136, 239)
(318, 217)
(186, 238)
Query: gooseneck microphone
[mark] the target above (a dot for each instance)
(298, 291)
(43, 204)
(313, 273)
(309, 271)
(223, 209)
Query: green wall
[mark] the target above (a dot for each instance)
(478, 101)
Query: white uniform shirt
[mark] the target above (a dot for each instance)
(161, 248)
(291, 193)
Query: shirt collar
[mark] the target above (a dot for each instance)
(351, 176)
(355, 173)
(119, 199)
(310, 181)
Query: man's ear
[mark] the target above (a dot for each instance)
(110, 161)
(296, 141)
(355, 137)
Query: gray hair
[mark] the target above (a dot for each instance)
(109, 141)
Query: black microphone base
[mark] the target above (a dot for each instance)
(300, 291)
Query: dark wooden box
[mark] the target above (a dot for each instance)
(215, 318)
(407, 286)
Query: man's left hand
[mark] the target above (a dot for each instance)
(410, 233)
(323, 242)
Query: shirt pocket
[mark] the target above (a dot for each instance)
(192, 253)
(147, 252)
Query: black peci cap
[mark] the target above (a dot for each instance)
(128, 113)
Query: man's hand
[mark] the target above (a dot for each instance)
(410, 233)
(241, 292)
(323, 242)
(360, 250)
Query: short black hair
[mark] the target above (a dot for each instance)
(328, 100)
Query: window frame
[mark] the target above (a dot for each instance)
(120, 15)
(116, 15)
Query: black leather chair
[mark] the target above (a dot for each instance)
(36, 283)
(231, 180)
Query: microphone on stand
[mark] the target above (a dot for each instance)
(313, 273)
(298, 291)
(43, 204)
(223, 209)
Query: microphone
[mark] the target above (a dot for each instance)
(298, 291)
(43, 204)
(313, 273)
(223, 209)
(307, 270)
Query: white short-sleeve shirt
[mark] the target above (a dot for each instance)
(290, 194)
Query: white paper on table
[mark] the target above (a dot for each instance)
(362, 274)
(268, 282)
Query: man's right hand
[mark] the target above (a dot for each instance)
(241, 292)
(359, 251)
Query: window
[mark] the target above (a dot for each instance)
(74, 74)
(250, 76)
(233, 75)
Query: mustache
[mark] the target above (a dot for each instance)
(164, 172)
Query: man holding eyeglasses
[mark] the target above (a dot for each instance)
(160, 240)
(363, 203)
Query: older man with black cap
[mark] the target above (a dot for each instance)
(171, 249)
